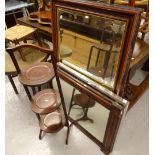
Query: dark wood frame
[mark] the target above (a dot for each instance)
(117, 109)
(132, 16)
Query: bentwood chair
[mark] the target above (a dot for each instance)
(36, 74)
(17, 35)
(31, 56)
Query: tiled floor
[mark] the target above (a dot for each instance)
(22, 131)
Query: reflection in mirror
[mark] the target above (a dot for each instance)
(90, 44)
(89, 114)
(85, 111)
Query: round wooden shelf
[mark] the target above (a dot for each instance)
(37, 74)
(83, 101)
(52, 122)
(45, 101)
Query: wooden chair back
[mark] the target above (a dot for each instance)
(20, 48)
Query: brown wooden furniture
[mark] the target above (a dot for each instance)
(107, 48)
(46, 101)
(123, 18)
(46, 104)
(17, 35)
(43, 15)
(84, 102)
(31, 56)
(140, 56)
(34, 75)
(43, 30)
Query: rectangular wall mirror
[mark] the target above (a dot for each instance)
(98, 115)
(91, 44)
(88, 117)
(97, 44)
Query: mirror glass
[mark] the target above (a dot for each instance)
(93, 117)
(90, 44)
(88, 113)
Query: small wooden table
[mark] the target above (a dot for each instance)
(44, 30)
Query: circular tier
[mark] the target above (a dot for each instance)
(52, 122)
(46, 101)
(83, 101)
(37, 74)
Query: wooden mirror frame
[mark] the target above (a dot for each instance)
(108, 99)
(116, 105)
(132, 17)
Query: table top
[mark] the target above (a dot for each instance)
(12, 5)
(46, 29)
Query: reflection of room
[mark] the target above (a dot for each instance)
(95, 42)
(88, 114)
